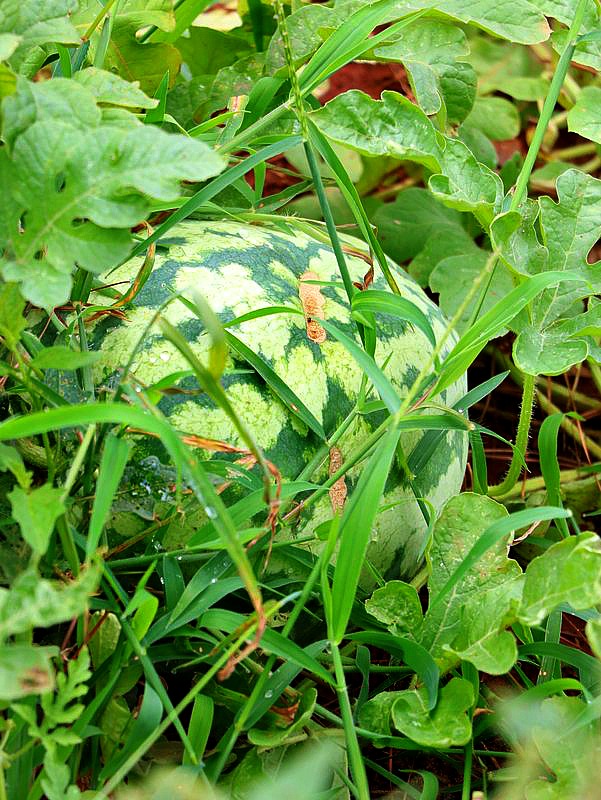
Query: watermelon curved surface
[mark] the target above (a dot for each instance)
(238, 269)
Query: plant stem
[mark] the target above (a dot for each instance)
(521, 440)
(466, 791)
(98, 19)
(354, 751)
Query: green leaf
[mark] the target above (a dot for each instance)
(416, 222)
(37, 22)
(432, 53)
(33, 602)
(396, 605)
(137, 12)
(8, 44)
(465, 184)
(97, 180)
(381, 302)
(63, 358)
(446, 726)
(496, 117)
(355, 530)
(470, 623)
(507, 68)
(25, 670)
(568, 751)
(454, 276)
(36, 512)
(392, 126)
(111, 89)
(556, 348)
(556, 335)
(136, 61)
(516, 20)
(11, 460)
(304, 26)
(410, 653)
(585, 115)
(12, 321)
(568, 572)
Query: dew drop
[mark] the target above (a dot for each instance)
(164, 356)
(213, 580)
(268, 694)
(152, 359)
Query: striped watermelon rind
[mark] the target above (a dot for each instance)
(239, 268)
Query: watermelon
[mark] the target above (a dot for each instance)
(239, 268)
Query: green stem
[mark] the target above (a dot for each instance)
(98, 19)
(521, 441)
(352, 742)
(595, 373)
(576, 151)
(466, 792)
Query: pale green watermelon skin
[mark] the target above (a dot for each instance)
(238, 268)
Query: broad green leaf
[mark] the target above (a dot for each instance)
(568, 751)
(392, 126)
(36, 511)
(507, 68)
(465, 184)
(113, 90)
(432, 53)
(85, 170)
(416, 226)
(8, 44)
(500, 315)
(568, 572)
(515, 239)
(206, 51)
(593, 634)
(553, 350)
(516, 20)
(34, 602)
(11, 460)
(25, 669)
(137, 12)
(470, 622)
(376, 714)
(585, 115)
(570, 230)
(454, 276)
(37, 22)
(447, 725)
(496, 117)
(134, 61)
(587, 53)
(397, 605)
(555, 337)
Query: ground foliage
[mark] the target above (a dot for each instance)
(476, 171)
